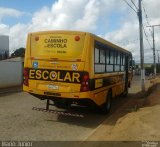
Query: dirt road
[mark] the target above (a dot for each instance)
(19, 122)
(136, 120)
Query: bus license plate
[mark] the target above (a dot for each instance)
(54, 87)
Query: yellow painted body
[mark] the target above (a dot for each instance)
(50, 53)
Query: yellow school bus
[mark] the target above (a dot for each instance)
(71, 67)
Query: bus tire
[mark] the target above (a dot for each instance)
(106, 107)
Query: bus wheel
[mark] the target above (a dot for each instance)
(105, 108)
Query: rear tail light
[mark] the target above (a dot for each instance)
(85, 83)
(26, 76)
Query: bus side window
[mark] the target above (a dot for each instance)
(97, 59)
(110, 61)
(102, 60)
(111, 57)
(96, 55)
(122, 62)
(102, 56)
(117, 61)
(107, 57)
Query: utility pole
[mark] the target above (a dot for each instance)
(154, 54)
(158, 55)
(141, 47)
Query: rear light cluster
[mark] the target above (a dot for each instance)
(85, 83)
(26, 76)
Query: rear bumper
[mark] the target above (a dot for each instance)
(88, 98)
(79, 101)
(58, 94)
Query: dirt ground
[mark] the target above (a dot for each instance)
(134, 118)
(137, 120)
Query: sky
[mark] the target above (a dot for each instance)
(112, 20)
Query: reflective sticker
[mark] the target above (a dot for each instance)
(35, 64)
(98, 83)
(74, 67)
(55, 75)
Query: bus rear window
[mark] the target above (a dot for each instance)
(61, 46)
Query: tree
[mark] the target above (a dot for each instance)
(149, 70)
(18, 52)
(158, 67)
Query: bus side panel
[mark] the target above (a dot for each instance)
(118, 84)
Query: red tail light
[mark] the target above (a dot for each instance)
(85, 83)
(26, 76)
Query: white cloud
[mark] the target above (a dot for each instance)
(18, 34)
(152, 7)
(4, 29)
(63, 14)
(127, 35)
(88, 15)
(89, 19)
(73, 15)
(67, 14)
(5, 12)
